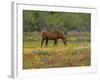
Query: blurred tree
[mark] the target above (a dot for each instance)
(52, 21)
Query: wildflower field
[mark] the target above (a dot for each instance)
(77, 52)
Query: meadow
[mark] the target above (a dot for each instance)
(77, 52)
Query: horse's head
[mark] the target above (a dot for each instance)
(64, 41)
(65, 38)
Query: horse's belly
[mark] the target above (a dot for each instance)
(52, 38)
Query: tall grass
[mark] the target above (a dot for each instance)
(76, 53)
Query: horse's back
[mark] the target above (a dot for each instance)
(50, 35)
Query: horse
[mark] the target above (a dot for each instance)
(52, 35)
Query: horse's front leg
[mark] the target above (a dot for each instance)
(46, 43)
(42, 42)
(55, 42)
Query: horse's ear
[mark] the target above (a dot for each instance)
(65, 33)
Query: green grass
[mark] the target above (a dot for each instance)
(75, 54)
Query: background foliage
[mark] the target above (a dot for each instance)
(63, 21)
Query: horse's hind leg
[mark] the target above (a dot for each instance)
(42, 42)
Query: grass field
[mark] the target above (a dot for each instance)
(76, 53)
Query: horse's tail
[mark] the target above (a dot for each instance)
(43, 33)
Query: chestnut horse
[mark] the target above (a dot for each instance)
(52, 35)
